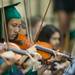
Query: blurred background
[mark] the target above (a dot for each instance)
(38, 8)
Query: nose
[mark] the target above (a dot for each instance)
(58, 41)
(16, 29)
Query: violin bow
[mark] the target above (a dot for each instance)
(28, 23)
(43, 20)
(5, 33)
(25, 10)
(27, 17)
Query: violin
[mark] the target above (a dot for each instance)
(22, 42)
(44, 54)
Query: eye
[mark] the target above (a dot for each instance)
(19, 26)
(13, 25)
(23, 26)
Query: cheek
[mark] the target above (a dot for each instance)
(53, 42)
(10, 30)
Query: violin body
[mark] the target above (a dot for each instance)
(22, 42)
(44, 54)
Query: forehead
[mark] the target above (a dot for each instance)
(56, 34)
(15, 22)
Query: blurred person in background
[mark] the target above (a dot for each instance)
(65, 10)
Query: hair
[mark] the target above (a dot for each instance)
(46, 32)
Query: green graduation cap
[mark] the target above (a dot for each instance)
(10, 13)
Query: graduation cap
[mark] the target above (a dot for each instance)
(4, 3)
(10, 13)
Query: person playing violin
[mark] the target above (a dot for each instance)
(13, 22)
(65, 11)
(50, 37)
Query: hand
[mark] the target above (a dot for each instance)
(58, 66)
(2, 47)
(58, 57)
(37, 56)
